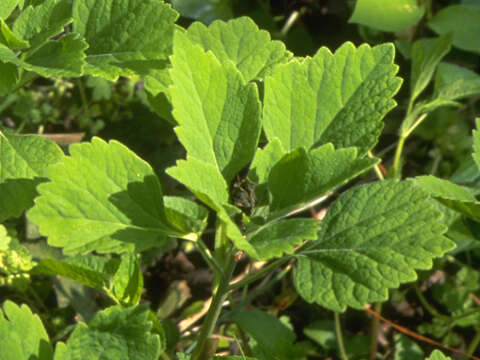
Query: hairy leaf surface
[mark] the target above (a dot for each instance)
(339, 98)
(240, 40)
(218, 114)
(123, 34)
(372, 239)
(22, 335)
(103, 197)
(24, 164)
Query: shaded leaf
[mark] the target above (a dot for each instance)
(204, 10)
(128, 280)
(373, 238)
(454, 82)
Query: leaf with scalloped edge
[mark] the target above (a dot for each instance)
(301, 177)
(104, 198)
(339, 98)
(23, 165)
(372, 239)
(438, 355)
(22, 334)
(217, 112)
(124, 35)
(242, 42)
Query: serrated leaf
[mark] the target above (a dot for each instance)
(115, 333)
(274, 339)
(103, 197)
(39, 23)
(241, 41)
(22, 335)
(302, 177)
(128, 280)
(426, 54)
(7, 7)
(372, 239)
(476, 143)
(438, 355)
(186, 215)
(339, 98)
(23, 165)
(8, 38)
(448, 19)
(277, 238)
(204, 10)
(218, 114)
(392, 15)
(62, 57)
(123, 35)
(91, 270)
(454, 82)
(454, 196)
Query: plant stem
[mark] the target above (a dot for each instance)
(474, 343)
(374, 331)
(430, 308)
(338, 333)
(396, 168)
(209, 259)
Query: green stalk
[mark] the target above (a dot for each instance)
(338, 333)
(432, 311)
(474, 343)
(374, 325)
(397, 162)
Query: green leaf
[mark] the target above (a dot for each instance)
(301, 178)
(261, 166)
(476, 143)
(392, 15)
(22, 335)
(274, 339)
(39, 23)
(4, 238)
(462, 22)
(128, 280)
(426, 54)
(9, 39)
(373, 238)
(454, 196)
(240, 40)
(123, 35)
(186, 215)
(104, 198)
(454, 82)
(23, 165)
(407, 349)
(63, 57)
(218, 114)
(438, 355)
(7, 7)
(339, 98)
(277, 238)
(91, 270)
(115, 333)
(8, 77)
(204, 10)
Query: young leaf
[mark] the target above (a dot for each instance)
(426, 54)
(454, 82)
(279, 237)
(91, 270)
(123, 35)
(454, 196)
(22, 335)
(7, 7)
(103, 197)
(438, 355)
(218, 114)
(115, 333)
(392, 15)
(274, 339)
(339, 98)
(8, 38)
(23, 166)
(239, 40)
(62, 57)
(373, 238)
(462, 21)
(476, 143)
(39, 23)
(186, 215)
(302, 177)
(128, 280)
